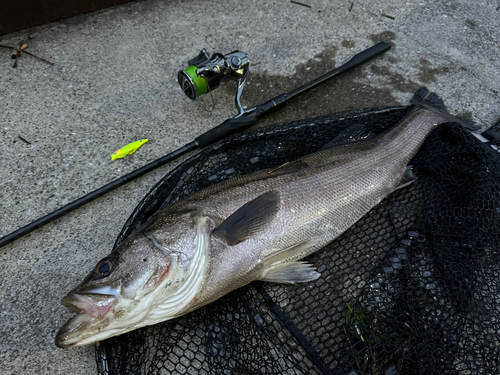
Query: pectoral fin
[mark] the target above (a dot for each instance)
(249, 219)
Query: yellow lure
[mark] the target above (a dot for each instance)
(128, 149)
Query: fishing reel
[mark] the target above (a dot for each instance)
(205, 74)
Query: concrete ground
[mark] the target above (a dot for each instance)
(114, 81)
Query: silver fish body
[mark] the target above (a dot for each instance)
(254, 227)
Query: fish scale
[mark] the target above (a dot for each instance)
(337, 180)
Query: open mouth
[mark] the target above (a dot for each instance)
(94, 305)
(91, 307)
(94, 302)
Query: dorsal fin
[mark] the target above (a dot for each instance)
(353, 133)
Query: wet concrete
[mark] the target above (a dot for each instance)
(329, 97)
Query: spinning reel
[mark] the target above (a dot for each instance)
(205, 74)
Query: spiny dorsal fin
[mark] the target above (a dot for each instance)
(356, 132)
(249, 219)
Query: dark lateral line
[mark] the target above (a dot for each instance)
(288, 324)
(296, 2)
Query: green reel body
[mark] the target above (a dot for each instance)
(205, 73)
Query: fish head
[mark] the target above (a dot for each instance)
(125, 287)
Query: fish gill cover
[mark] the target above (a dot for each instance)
(412, 288)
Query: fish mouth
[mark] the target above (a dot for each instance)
(88, 304)
(92, 309)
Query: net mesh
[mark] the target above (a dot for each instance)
(412, 288)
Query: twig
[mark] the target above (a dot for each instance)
(14, 55)
(296, 2)
(386, 15)
(350, 8)
(21, 49)
(15, 49)
(24, 140)
(39, 58)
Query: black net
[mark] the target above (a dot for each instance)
(412, 288)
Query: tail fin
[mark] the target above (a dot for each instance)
(431, 101)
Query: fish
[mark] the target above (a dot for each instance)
(253, 227)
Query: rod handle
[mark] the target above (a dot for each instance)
(228, 127)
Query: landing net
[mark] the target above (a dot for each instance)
(412, 288)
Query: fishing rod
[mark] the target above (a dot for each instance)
(204, 75)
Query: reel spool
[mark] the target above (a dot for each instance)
(205, 74)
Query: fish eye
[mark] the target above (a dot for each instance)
(104, 267)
